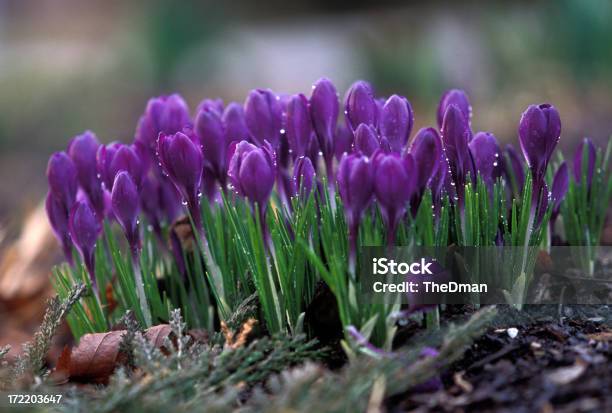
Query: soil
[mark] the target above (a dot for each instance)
(542, 359)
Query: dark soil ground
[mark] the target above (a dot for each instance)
(543, 359)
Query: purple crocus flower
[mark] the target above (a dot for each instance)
(366, 140)
(426, 149)
(396, 121)
(539, 132)
(455, 137)
(82, 149)
(343, 141)
(84, 229)
(586, 144)
(124, 198)
(234, 123)
(263, 115)
(104, 156)
(458, 98)
(440, 181)
(324, 110)
(167, 114)
(62, 178)
(485, 153)
(58, 214)
(215, 105)
(560, 186)
(210, 131)
(304, 177)
(182, 160)
(118, 157)
(514, 169)
(394, 184)
(298, 125)
(252, 172)
(360, 106)
(356, 186)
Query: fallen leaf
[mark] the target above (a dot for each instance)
(565, 375)
(601, 336)
(97, 355)
(158, 334)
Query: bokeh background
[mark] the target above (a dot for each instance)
(71, 65)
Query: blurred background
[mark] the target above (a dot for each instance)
(71, 65)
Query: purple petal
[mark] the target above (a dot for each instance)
(426, 149)
(324, 109)
(360, 106)
(458, 98)
(396, 122)
(366, 139)
(298, 125)
(263, 115)
(585, 144)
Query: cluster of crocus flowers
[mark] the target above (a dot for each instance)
(290, 142)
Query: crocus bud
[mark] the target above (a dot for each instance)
(234, 123)
(57, 213)
(62, 178)
(485, 153)
(396, 122)
(82, 150)
(324, 109)
(124, 198)
(215, 105)
(585, 145)
(356, 185)
(298, 125)
(210, 131)
(126, 159)
(458, 98)
(252, 173)
(455, 137)
(394, 184)
(167, 114)
(360, 106)
(343, 141)
(426, 149)
(560, 186)
(84, 230)
(104, 157)
(439, 179)
(263, 115)
(182, 160)
(304, 176)
(514, 168)
(539, 132)
(366, 139)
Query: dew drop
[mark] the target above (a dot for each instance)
(495, 163)
(282, 131)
